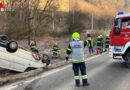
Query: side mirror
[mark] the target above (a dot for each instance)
(12, 46)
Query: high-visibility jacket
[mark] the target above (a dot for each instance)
(99, 43)
(102, 42)
(107, 41)
(76, 47)
(55, 49)
(32, 46)
(90, 43)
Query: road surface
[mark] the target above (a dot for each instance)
(103, 74)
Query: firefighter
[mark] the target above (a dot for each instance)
(107, 43)
(90, 45)
(33, 46)
(76, 47)
(102, 43)
(55, 50)
(99, 44)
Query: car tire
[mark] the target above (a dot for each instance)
(11, 48)
(45, 59)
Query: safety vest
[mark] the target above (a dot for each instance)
(89, 43)
(32, 46)
(99, 43)
(77, 51)
(102, 41)
(55, 49)
(107, 41)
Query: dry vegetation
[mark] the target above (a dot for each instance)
(57, 17)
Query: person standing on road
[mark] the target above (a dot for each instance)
(76, 47)
(107, 43)
(90, 45)
(55, 50)
(102, 43)
(99, 44)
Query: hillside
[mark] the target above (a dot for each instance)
(98, 7)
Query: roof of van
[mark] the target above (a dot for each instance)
(123, 15)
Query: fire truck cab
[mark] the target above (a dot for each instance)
(120, 38)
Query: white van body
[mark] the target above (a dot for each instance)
(19, 60)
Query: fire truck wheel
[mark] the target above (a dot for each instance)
(127, 58)
(123, 56)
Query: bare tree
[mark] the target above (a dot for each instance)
(26, 17)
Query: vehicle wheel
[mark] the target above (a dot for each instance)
(48, 62)
(127, 58)
(123, 56)
(45, 59)
(12, 46)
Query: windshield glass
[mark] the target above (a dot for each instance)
(126, 23)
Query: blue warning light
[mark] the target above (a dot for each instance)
(120, 13)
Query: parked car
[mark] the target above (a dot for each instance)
(15, 58)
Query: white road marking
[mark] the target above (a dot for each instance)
(23, 82)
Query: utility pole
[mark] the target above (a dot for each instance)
(73, 16)
(92, 22)
(73, 12)
(69, 6)
(53, 21)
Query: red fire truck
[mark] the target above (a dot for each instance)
(120, 38)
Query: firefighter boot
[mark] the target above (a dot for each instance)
(77, 83)
(85, 82)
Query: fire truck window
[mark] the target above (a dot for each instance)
(117, 26)
(126, 24)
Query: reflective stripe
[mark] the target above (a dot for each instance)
(32, 47)
(89, 43)
(77, 60)
(55, 48)
(84, 76)
(69, 49)
(76, 77)
(55, 52)
(67, 54)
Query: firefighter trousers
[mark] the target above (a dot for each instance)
(82, 68)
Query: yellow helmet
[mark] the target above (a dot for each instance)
(99, 36)
(107, 35)
(75, 35)
(32, 42)
(55, 44)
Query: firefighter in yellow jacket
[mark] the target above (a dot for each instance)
(76, 47)
(55, 51)
(33, 46)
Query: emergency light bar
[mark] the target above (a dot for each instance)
(120, 13)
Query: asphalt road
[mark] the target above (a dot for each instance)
(103, 72)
